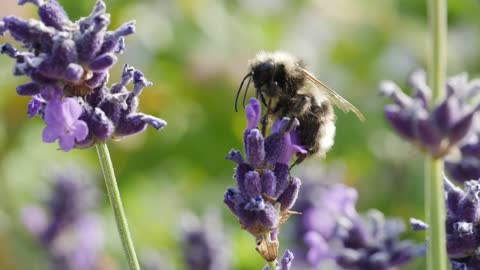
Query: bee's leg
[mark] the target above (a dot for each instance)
(302, 103)
(300, 159)
(265, 118)
(289, 125)
(262, 98)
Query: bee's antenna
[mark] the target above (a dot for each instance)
(246, 91)
(239, 90)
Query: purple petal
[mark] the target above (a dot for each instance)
(103, 62)
(289, 196)
(28, 89)
(35, 220)
(318, 248)
(443, 113)
(399, 121)
(100, 125)
(235, 156)
(253, 112)
(53, 14)
(114, 40)
(282, 173)
(390, 89)
(269, 183)
(326, 228)
(240, 173)
(50, 134)
(268, 217)
(418, 225)
(467, 168)
(62, 56)
(35, 2)
(418, 80)
(287, 259)
(35, 105)
(66, 142)
(254, 147)
(72, 108)
(274, 234)
(154, 122)
(275, 148)
(18, 28)
(461, 128)
(246, 218)
(137, 123)
(90, 43)
(427, 132)
(98, 79)
(291, 149)
(73, 73)
(252, 184)
(9, 50)
(54, 113)
(80, 130)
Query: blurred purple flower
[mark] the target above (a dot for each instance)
(467, 165)
(68, 62)
(204, 243)
(265, 189)
(332, 230)
(65, 225)
(434, 128)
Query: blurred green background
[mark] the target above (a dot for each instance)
(196, 52)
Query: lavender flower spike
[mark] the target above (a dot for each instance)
(434, 128)
(68, 66)
(266, 191)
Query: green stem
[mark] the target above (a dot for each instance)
(435, 203)
(272, 265)
(434, 190)
(116, 202)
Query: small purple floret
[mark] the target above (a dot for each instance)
(61, 117)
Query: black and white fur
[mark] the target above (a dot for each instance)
(280, 80)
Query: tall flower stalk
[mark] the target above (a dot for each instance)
(434, 190)
(116, 202)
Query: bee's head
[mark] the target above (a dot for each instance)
(268, 77)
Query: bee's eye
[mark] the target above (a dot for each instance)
(280, 75)
(263, 72)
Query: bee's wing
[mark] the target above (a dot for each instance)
(334, 97)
